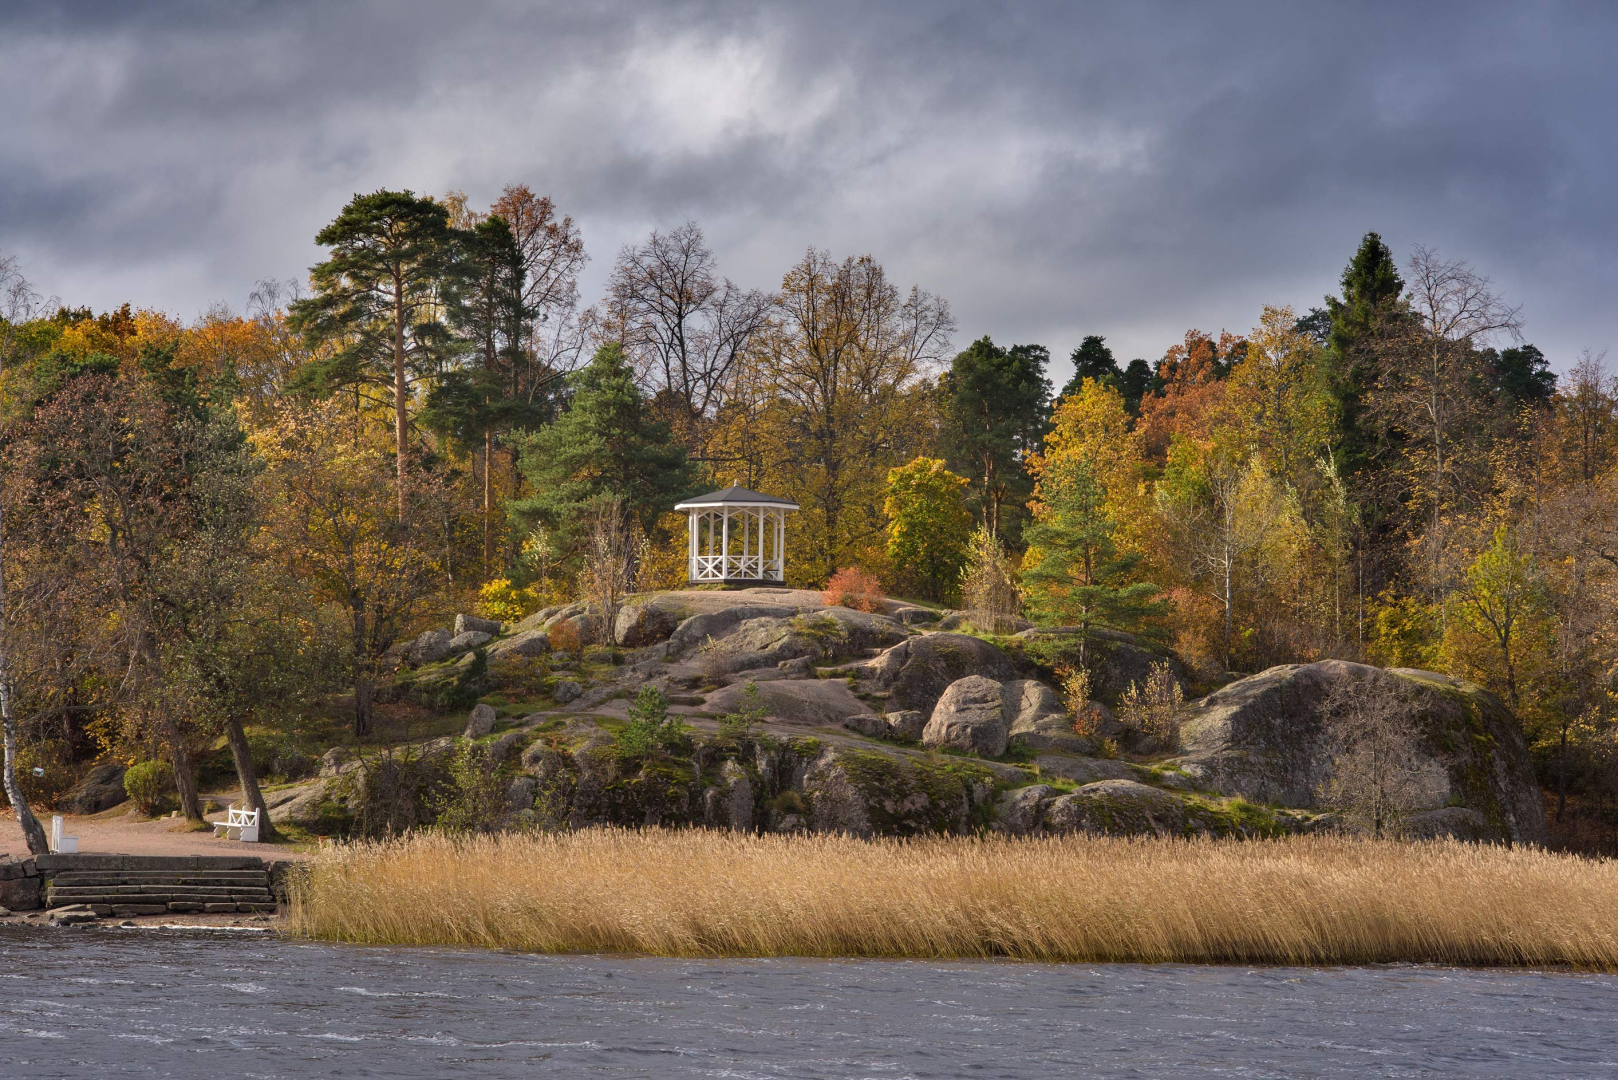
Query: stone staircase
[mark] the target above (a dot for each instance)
(125, 885)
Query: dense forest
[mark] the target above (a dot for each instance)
(217, 533)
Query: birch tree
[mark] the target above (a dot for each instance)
(17, 304)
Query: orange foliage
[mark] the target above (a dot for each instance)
(1193, 389)
(1195, 621)
(852, 587)
(564, 637)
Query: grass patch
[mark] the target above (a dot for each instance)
(1299, 900)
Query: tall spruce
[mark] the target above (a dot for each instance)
(1372, 289)
(1093, 360)
(607, 445)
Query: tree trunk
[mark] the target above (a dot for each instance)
(185, 781)
(362, 674)
(488, 500)
(1228, 558)
(32, 831)
(247, 773)
(400, 391)
(363, 692)
(1561, 772)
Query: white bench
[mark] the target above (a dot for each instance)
(62, 845)
(244, 822)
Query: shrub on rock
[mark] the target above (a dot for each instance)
(852, 587)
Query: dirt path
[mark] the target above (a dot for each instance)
(116, 832)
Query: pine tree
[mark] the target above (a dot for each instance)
(1075, 573)
(994, 402)
(375, 301)
(1137, 381)
(486, 307)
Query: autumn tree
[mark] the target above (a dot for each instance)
(1430, 396)
(1234, 527)
(377, 303)
(145, 473)
(928, 525)
(684, 328)
(17, 303)
(1191, 378)
(1277, 401)
(329, 525)
(842, 364)
(553, 255)
(1500, 593)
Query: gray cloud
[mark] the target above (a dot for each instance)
(1131, 171)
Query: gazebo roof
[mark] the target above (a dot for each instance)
(735, 496)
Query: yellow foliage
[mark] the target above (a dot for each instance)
(499, 599)
(1276, 400)
(1094, 427)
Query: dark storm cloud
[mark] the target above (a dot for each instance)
(1131, 170)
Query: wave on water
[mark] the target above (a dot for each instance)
(170, 1005)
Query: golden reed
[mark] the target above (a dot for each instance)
(1304, 900)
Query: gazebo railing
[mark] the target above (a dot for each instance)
(733, 567)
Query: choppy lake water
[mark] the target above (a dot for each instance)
(135, 1003)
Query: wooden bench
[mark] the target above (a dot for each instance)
(243, 822)
(62, 845)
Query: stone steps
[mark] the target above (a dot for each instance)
(245, 879)
(124, 885)
(154, 896)
(178, 907)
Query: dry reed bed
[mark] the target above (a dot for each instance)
(1304, 900)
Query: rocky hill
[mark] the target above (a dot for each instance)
(890, 723)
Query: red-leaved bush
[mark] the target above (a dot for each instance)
(852, 587)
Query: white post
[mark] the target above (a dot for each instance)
(691, 544)
(780, 545)
(763, 574)
(724, 537)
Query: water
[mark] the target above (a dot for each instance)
(98, 1003)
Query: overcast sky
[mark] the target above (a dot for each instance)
(1052, 170)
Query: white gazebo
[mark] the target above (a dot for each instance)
(737, 537)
